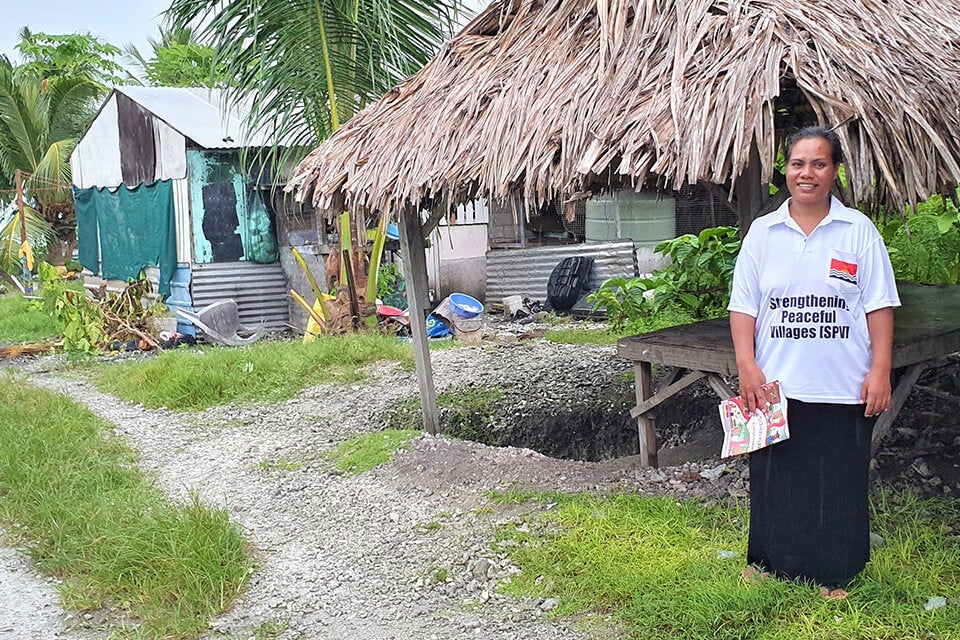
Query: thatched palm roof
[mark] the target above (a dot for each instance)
(548, 97)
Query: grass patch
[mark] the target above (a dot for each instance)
(462, 411)
(667, 317)
(652, 565)
(270, 629)
(194, 379)
(468, 411)
(570, 335)
(72, 494)
(364, 452)
(23, 320)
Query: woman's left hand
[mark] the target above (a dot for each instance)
(875, 392)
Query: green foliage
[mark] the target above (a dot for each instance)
(364, 452)
(193, 380)
(23, 320)
(622, 299)
(184, 65)
(75, 55)
(39, 233)
(464, 412)
(178, 60)
(307, 66)
(582, 336)
(72, 495)
(270, 629)
(81, 320)
(388, 280)
(653, 568)
(670, 316)
(40, 121)
(468, 411)
(927, 248)
(700, 272)
(697, 280)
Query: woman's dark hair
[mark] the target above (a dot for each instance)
(836, 149)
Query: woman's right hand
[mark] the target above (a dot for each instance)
(751, 381)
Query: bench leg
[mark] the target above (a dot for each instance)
(643, 373)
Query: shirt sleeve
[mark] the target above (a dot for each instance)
(745, 292)
(878, 288)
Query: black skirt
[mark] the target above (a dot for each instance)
(809, 511)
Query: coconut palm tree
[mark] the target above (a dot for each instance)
(308, 65)
(40, 122)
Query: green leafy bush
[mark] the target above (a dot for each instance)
(389, 279)
(927, 248)
(696, 282)
(622, 299)
(82, 322)
(700, 273)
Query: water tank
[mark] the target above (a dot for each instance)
(643, 217)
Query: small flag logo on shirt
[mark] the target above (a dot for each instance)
(846, 271)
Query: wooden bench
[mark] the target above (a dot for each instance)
(926, 330)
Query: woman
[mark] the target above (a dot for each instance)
(812, 306)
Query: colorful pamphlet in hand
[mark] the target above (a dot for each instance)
(743, 433)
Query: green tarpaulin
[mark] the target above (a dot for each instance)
(135, 229)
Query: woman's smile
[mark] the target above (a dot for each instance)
(811, 172)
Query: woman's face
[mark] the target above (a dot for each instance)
(810, 171)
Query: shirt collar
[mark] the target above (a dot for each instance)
(838, 212)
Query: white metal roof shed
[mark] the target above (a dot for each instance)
(176, 115)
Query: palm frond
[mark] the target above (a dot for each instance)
(273, 49)
(547, 98)
(53, 170)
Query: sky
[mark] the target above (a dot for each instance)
(117, 22)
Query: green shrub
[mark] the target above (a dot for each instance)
(696, 281)
(622, 299)
(192, 380)
(927, 248)
(700, 272)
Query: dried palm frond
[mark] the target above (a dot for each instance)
(18, 350)
(544, 97)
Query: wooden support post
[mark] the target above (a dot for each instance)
(415, 271)
(719, 386)
(749, 191)
(900, 394)
(643, 373)
(666, 392)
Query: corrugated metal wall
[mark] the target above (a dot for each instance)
(181, 209)
(260, 290)
(525, 272)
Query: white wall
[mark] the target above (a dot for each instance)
(456, 260)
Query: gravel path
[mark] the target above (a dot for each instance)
(29, 607)
(403, 551)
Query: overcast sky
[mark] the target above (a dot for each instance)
(117, 22)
